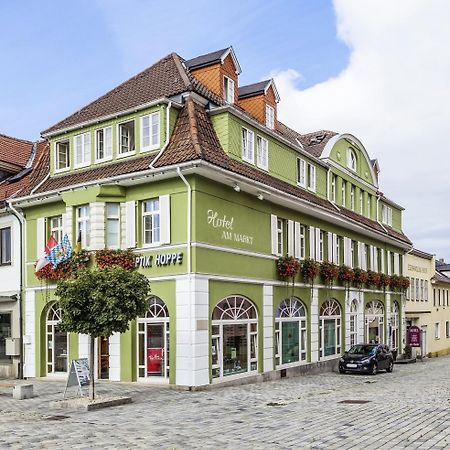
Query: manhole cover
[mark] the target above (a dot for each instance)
(56, 417)
(354, 402)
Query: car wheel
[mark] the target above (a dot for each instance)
(390, 368)
(341, 370)
(374, 368)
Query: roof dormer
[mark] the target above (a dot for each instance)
(219, 72)
(260, 100)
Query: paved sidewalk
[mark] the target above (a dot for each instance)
(407, 409)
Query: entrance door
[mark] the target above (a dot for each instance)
(155, 349)
(103, 358)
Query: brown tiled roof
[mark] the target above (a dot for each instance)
(206, 60)
(22, 183)
(441, 278)
(253, 89)
(15, 151)
(166, 78)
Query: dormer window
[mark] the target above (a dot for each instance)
(82, 150)
(228, 89)
(270, 117)
(126, 138)
(62, 160)
(351, 161)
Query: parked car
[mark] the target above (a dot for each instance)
(367, 358)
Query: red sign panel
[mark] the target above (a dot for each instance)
(414, 336)
(154, 360)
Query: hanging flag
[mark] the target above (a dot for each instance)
(77, 248)
(43, 260)
(62, 252)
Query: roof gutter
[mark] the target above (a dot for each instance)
(162, 100)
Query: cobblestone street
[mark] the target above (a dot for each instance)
(406, 409)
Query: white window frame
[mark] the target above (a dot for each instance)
(67, 167)
(248, 145)
(4, 260)
(107, 148)
(344, 193)
(369, 205)
(153, 214)
(302, 241)
(153, 141)
(351, 160)
(301, 172)
(228, 89)
(119, 139)
(86, 227)
(262, 153)
(386, 214)
(280, 236)
(56, 227)
(333, 188)
(270, 117)
(312, 177)
(84, 141)
(327, 308)
(321, 246)
(109, 217)
(352, 197)
(361, 202)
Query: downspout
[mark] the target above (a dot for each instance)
(21, 220)
(167, 135)
(189, 192)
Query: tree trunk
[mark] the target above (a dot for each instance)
(91, 368)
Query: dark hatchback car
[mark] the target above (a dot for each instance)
(367, 358)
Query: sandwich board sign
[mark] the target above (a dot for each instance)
(78, 375)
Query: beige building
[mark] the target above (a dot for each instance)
(427, 303)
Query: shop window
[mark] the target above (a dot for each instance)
(5, 332)
(330, 329)
(62, 156)
(234, 334)
(57, 342)
(126, 138)
(153, 341)
(374, 329)
(103, 144)
(5, 246)
(290, 332)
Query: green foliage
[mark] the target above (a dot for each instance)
(100, 302)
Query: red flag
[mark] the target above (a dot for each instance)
(51, 243)
(43, 261)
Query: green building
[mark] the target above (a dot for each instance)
(202, 180)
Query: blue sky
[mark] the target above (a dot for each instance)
(57, 59)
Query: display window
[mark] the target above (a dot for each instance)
(374, 329)
(234, 346)
(290, 332)
(57, 342)
(330, 329)
(153, 341)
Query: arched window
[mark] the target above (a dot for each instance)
(374, 322)
(290, 332)
(153, 341)
(354, 322)
(57, 341)
(395, 318)
(351, 162)
(330, 329)
(234, 337)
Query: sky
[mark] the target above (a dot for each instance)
(375, 68)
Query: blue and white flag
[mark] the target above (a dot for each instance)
(62, 252)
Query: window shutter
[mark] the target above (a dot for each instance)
(273, 233)
(291, 238)
(40, 236)
(330, 247)
(164, 205)
(130, 219)
(297, 240)
(312, 242)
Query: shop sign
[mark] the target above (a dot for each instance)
(414, 336)
(79, 375)
(225, 225)
(412, 268)
(163, 259)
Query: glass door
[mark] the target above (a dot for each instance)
(155, 350)
(235, 349)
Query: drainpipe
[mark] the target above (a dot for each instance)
(167, 135)
(189, 192)
(21, 220)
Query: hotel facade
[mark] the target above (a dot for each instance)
(198, 176)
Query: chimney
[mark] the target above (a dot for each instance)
(219, 72)
(260, 100)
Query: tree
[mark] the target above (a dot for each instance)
(100, 302)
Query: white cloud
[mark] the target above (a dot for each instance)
(395, 96)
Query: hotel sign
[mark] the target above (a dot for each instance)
(225, 225)
(417, 269)
(162, 259)
(414, 336)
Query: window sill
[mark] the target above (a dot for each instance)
(81, 166)
(66, 169)
(249, 161)
(7, 264)
(152, 245)
(149, 149)
(124, 155)
(98, 161)
(266, 169)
